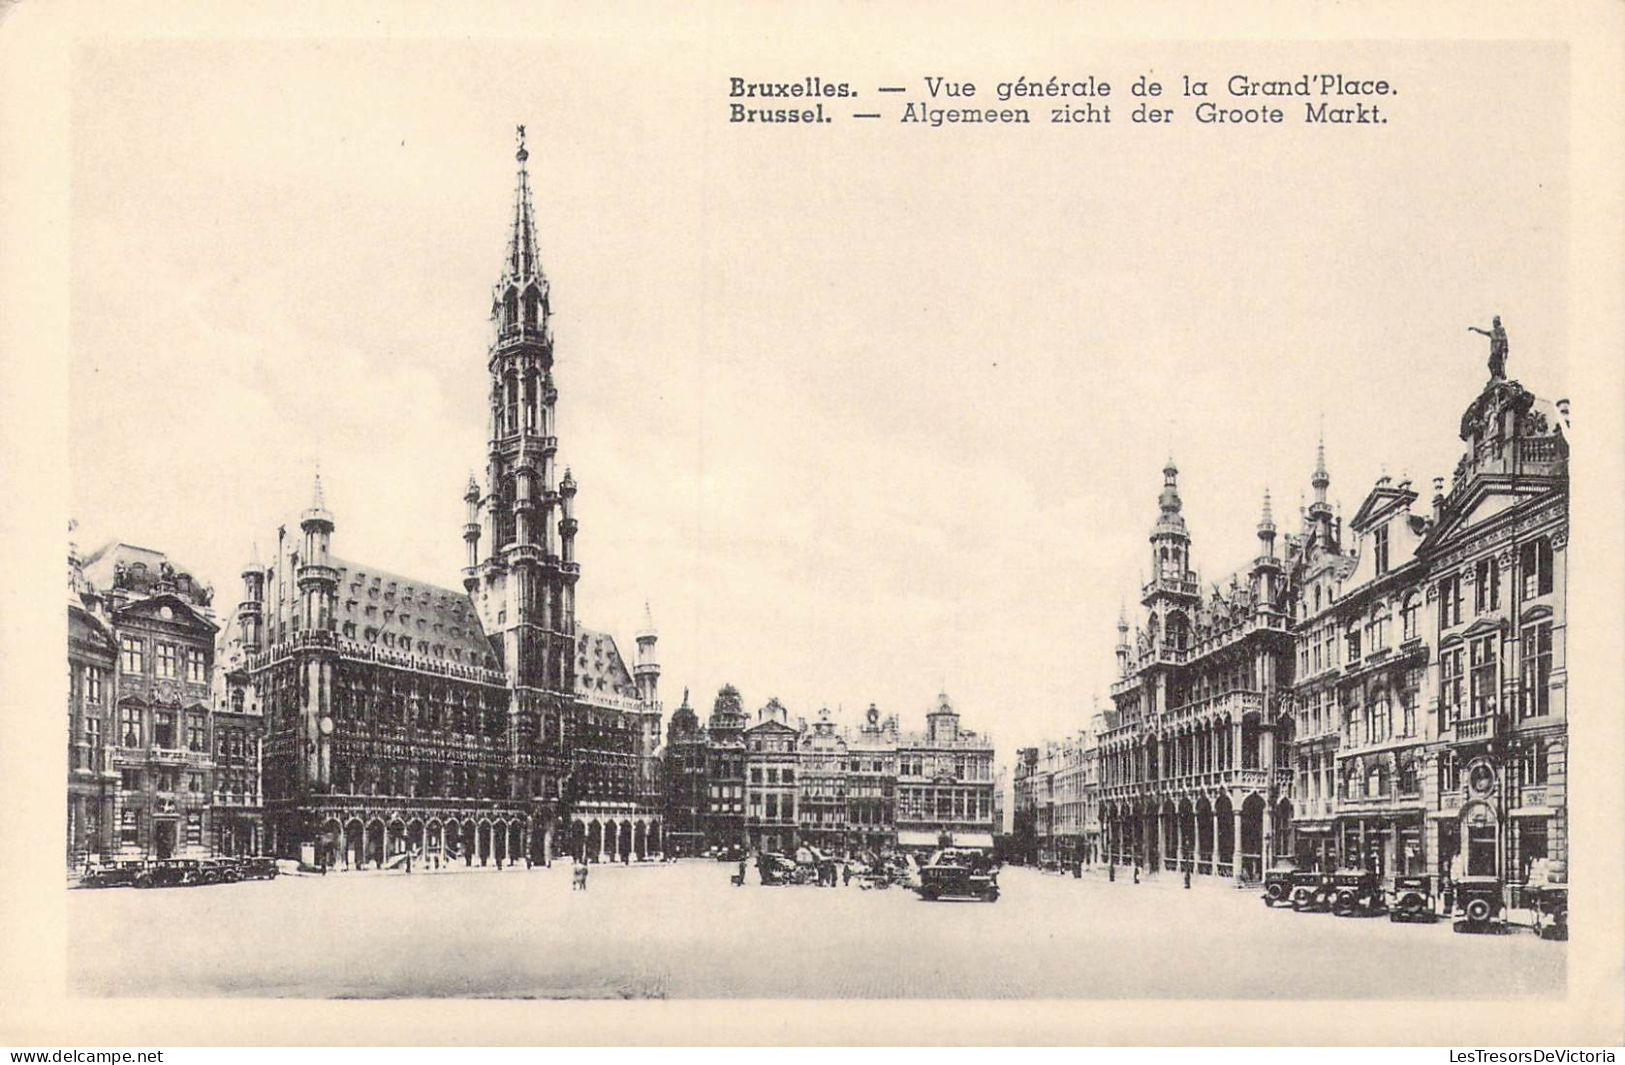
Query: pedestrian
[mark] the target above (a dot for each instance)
(1111, 872)
(1136, 872)
(740, 882)
(409, 865)
(1187, 880)
(846, 874)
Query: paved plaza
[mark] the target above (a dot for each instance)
(683, 931)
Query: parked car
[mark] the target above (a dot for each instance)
(1311, 891)
(777, 870)
(1551, 905)
(1478, 900)
(171, 872)
(259, 868)
(112, 874)
(1412, 899)
(1278, 883)
(219, 871)
(1357, 893)
(959, 874)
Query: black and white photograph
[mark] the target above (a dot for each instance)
(861, 508)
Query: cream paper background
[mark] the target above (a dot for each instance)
(687, 51)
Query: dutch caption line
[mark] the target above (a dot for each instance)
(1235, 100)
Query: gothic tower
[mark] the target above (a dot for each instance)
(315, 646)
(521, 570)
(1172, 594)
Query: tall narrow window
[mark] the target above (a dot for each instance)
(130, 654)
(1483, 676)
(1535, 690)
(1535, 567)
(167, 660)
(130, 726)
(1407, 617)
(1452, 683)
(1380, 539)
(1450, 601)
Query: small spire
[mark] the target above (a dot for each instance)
(522, 263)
(1267, 521)
(316, 500)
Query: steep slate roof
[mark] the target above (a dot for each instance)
(600, 669)
(441, 619)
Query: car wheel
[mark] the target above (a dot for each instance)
(1478, 910)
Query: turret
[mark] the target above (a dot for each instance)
(567, 521)
(251, 609)
(647, 670)
(1122, 642)
(1266, 571)
(1320, 511)
(471, 534)
(317, 579)
(1170, 540)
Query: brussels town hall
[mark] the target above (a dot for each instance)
(479, 725)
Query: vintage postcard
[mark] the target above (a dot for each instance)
(931, 523)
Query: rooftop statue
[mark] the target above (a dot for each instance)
(1498, 347)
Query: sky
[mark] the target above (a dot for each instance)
(862, 411)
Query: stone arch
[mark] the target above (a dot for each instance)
(1224, 816)
(1252, 836)
(469, 842)
(1204, 835)
(376, 832)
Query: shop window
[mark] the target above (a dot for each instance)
(1481, 850)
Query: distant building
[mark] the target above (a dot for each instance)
(944, 784)
(771, 790)
(685, 782)
(725, 771)
(821, 775)
(871, 783)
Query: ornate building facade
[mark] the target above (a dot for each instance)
(482, 724)
(1393, 699)
(685, 782)
(944, 784)
(141, 727)
(1194, 756)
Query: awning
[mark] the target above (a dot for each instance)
(917, 839)
(983, 840)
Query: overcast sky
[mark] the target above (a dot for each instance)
(862, 410)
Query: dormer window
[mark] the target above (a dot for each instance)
(1380, 549)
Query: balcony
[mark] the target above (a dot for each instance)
(1475, 730)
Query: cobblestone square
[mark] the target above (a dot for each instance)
(683, 931)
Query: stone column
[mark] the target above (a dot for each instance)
(1235, 843)
(1162, 844)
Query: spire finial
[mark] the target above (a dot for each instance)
(519, 135)
(316, 500)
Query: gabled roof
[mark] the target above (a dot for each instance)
(180, 610)
(1383, 500)
(1492, 494)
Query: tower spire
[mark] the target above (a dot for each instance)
(522, 261)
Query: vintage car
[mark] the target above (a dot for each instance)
(1278, 883)
(259, 868)
(1311, 891)
(219, 871)
(777, 870)
(171, 872)
(1356, 893)
(959, 874)
(1551, 905)
(112, 874)
(1412, 899)
(1478, 900)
